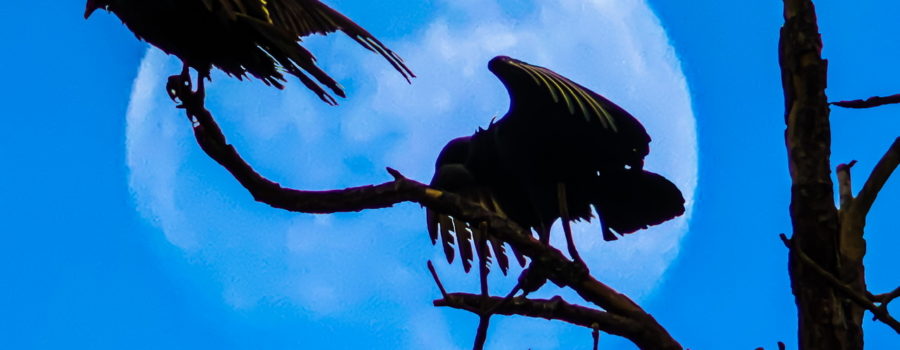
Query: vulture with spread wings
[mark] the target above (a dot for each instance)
(259, 38)
(560, 151)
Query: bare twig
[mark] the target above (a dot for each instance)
(857, 297)
(553, 309)
(884, 299)
(878, 178)
(870, 102)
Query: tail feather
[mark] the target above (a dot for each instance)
(630, 201)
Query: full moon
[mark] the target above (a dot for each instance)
(354, 269)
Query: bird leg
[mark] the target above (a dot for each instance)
(532, 277)
(177, 82)
(486, 312)
(567, 229)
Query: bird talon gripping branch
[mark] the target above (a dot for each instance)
(173, 87)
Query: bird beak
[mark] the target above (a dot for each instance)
(90, 8)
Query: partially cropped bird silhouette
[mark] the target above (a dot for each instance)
(259, 38)
(559, 151)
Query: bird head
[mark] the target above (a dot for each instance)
(93, 5)
(455, 152)
(450, 173)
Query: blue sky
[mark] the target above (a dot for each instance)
(94, 258)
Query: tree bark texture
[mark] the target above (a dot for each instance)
(827, 318)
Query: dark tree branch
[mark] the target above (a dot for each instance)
(552, 309)
(560, 270)
(844, 183)
(870, 102)
(862, 300)
(878, 178)
(886, 297)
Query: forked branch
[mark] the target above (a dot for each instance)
(551, 309)
(878, 178)
(845, 185)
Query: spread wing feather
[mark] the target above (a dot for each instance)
(306, 17)
(291, 19)
(577, 99)
(293, 57)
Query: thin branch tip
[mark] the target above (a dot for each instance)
(396, 174)
(846, 166)
(785, 240)
(878, 177)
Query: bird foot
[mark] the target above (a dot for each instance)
(180, 89)
(177, 85)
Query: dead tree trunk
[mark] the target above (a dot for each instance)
(827, 318)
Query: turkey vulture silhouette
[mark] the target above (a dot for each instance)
(559, 151)
(260, 38)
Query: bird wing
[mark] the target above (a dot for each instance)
(577, 99)
(307, 17)
(529, 86)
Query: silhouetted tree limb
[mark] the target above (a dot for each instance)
(844, 183)
(880, 313)
(870, 102)
(560, 270)
(886, 298)
(878, 178)
(555, 308)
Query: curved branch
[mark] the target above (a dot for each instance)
(870, 102)
(561, 271)
(878, 178)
